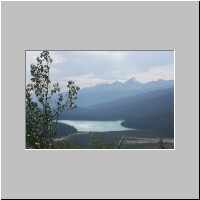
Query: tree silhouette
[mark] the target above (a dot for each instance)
(42, 114)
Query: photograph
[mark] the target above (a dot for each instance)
(99, 99)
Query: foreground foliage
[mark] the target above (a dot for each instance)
(45, 102)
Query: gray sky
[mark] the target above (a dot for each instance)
(89, 68)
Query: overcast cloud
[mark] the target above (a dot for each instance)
(89, 68)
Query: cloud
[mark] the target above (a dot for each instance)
(89, 68)
(87, 80)
(110, 55)
(57, 57)
(159, 72)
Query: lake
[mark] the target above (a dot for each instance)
(96, 126)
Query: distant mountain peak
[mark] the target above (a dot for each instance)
(161, 80)
(131, 80)
(117, 83)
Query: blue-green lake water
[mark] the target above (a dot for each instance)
(96, 126)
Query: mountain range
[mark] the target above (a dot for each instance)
(104, 93)
(141, 105)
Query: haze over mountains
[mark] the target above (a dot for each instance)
(108, 92)
(141, 105)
